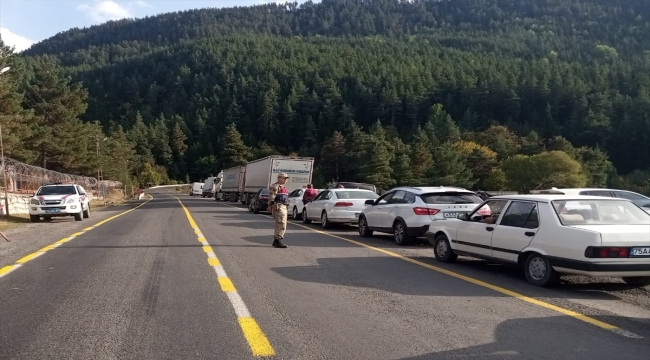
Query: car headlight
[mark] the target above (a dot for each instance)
(35, 202)
(70, 201)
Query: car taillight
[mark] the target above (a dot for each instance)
(607, 252)
(425, 211)
(343, 204)
(264, 197)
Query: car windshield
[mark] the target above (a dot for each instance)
(355, 195)
(599, 212)
(451, 197)
(56, 190)
(357, 186)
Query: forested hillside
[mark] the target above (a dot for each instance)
(485, 93)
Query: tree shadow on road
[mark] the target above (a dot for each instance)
(556, 337)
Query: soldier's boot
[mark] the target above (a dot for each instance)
(279, 244)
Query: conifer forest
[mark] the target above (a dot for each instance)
(483, 94)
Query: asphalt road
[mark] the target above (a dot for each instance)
(157, 283)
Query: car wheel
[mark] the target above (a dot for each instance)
(363, 228)
(400, 235)
(79, 216)
(87, 212)
(34, 218)
(255, 209)
(305, 220)
(539, 272)
(442, 250)
(324, 221)
(637, 281)
(294, 213)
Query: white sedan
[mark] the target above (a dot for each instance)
(550, 235)
(337, 206)
(295, 202)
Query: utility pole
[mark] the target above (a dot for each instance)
(4, 173)
(2, 153)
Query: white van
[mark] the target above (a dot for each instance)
(197, 189)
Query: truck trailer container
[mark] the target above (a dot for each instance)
(261, 173)
(233, 183)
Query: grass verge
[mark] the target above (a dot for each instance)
(13, 221)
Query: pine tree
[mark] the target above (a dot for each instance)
(421, 156)
(449, 168)
(159, 135)
(178, 139)
(58, 105)
(235, 152)
(16, 122)
(376, 168)
(332, 155)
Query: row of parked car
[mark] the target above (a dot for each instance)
(593, 232)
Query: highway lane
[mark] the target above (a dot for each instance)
(366, 303)
(136, 287)
(140, 287)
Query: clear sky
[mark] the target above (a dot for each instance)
(24, 22)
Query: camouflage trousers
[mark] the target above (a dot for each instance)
(280, 216)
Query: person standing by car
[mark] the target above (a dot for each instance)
(309, 194)
(278, 202)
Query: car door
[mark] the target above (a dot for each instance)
(293, 199)
(515, 230)
(474, 235)
(315, 207)
(374, 214)
(393, 208)
(82, 197)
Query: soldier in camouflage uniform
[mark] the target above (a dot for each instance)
(278, 204)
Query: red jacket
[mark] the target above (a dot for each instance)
(309, 195)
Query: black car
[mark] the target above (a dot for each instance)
(259, 202)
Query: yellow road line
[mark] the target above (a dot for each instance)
(7, 269)
(528, 299)
(258, 342)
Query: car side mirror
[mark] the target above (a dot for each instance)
(32, 194)
(463, 216)
(370, 202)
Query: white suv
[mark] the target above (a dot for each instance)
(59, 200)
(407, 212)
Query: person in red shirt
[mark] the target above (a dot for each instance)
(309, 194)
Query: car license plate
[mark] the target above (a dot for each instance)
(640, 251)
(450, 215)
(356, 215)
(51, 210)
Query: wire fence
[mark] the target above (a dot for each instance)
(25, 178)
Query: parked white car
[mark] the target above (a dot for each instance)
(56, 199)
(641, 200)
(550, 235)
(407, 212)
(337, 206)
(295, 202)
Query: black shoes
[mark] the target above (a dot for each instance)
(278, 244)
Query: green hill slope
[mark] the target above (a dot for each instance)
(291, 75)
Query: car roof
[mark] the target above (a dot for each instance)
(350, 189)
(554, 190)
(428, 189)
(551, 197)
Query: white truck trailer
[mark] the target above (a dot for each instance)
(233, 183)
(261, 173)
